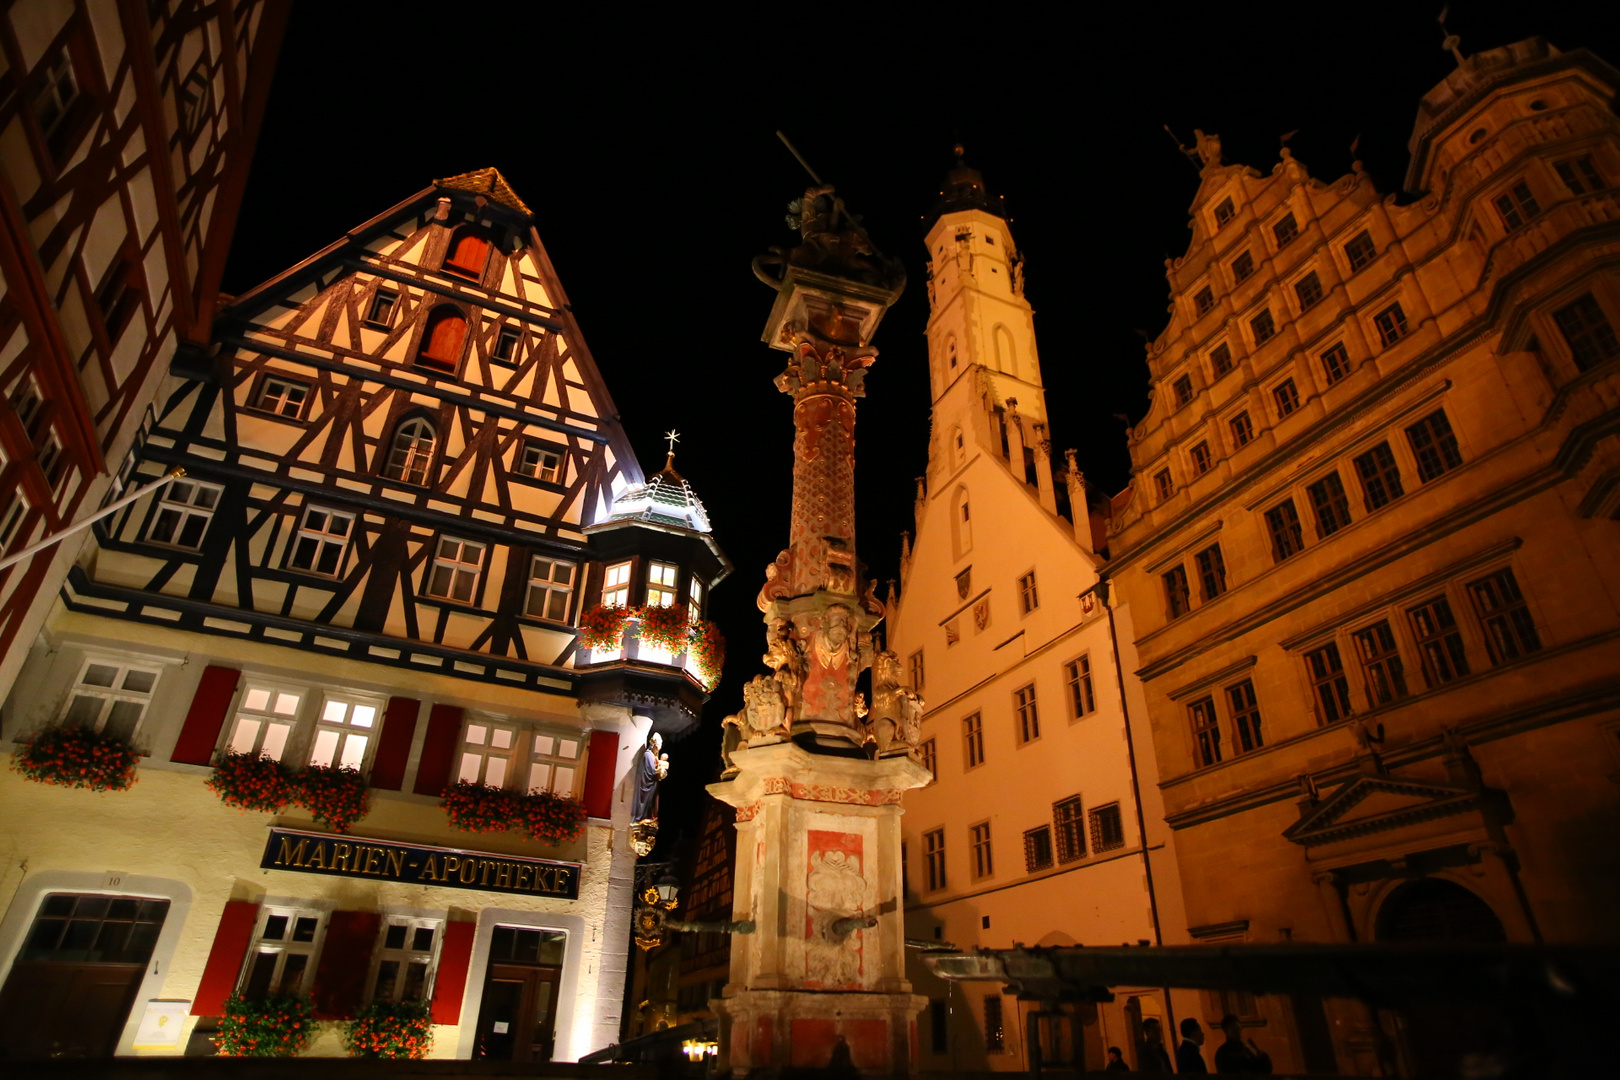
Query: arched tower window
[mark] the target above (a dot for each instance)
(467, 253)
(962, 523)
(411, 453)
(442, 337)
(1006, 357)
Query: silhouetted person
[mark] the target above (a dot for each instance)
(1189, 1059)
(1116, 1061)
(1153, 1058)
(1233, 1056)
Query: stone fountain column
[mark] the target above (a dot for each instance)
(815, 770)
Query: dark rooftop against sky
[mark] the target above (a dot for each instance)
(645, 146)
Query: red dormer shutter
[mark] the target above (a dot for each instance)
(206, 716)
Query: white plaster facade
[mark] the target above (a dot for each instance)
(996, 600)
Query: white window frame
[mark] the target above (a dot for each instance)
(538, 461)
(547, 751)
(404, 957)
(320, 536)
(694, 600)
(267, 715)
(411, 450)
(109, 695)
(546, 590)
(183, 501)
(275, 401)
(480, 757)
(616, 585)
(458, 569)
(346, 731)
(60, 88)
(284, 947)
(661, 579)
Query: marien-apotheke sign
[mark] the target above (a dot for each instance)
(348, 856)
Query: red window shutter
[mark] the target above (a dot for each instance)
(206, 716)
(340, 977)
(450, 984)
(394, 743)
(604, 756)
(438, 750)
(224, 965)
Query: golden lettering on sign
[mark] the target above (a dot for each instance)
(385, 861)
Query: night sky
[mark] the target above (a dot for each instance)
(646, 147)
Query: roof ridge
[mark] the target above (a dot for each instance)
(486, 181)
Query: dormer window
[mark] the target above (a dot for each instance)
(442, 339)
(467, 254)
(661, 584)
(412, 452)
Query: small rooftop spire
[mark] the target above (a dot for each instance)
(1451, 41)
(672, 437)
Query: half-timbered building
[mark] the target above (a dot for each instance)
(126, 131)
(407, 508)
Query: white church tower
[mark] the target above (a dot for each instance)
(1032, 831)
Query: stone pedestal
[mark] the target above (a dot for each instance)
(819, 874)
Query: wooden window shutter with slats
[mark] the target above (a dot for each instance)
(209, 706)
(224, 967)
(394, 743)
(438, 750)
(340, 977)
(599, 769)
(450, 984)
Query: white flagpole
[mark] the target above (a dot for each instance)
(79, 526)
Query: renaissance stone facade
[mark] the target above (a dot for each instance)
(1368, 554)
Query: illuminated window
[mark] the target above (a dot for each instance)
(1206, 730)
(282, 397)
(979, 843)
(1439, 642)
(1070, 823)
(1107, 828)
(1286, 395)
(1330, 687)
(264, 720)
(973, 740)
(1243, 266)
(323, 537)
(551, 588)
(1077, 676)
(1220, 358)
(1264, 327)
(1504, 615)
(411, 454)
(1029, 718)
(343, 733)
(1177, 597)
(1245, 716)
(110, 697)
(281, 960)
(1211, 571)
(1287, 538)
(1381, 665)
(541, 462)
(934, 858)
(1391, 323)
(1590, 338)
(455, 569)
(694, 600)
(383, 305)
(616, 586)
(1517, 205)
(403, 960)
(661, 584)
(486, 752)
(1434, 445)
(1242, 429)
(1330, 504)
(1336, 363)
(1201, 458)
(553, 763)
(1360, 250)
(1038, 848)
(1286, 231)
(1380, 477)
(1579, 175)
(184, 511)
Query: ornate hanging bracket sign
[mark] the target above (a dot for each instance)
(347, 856)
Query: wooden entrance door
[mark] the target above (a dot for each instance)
(71, 988)
(517, 1017)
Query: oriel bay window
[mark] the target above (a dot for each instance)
(661, 584)
(616, 585)
(551, 588)
(110, 697)
(403, 961)
(281, 961)
(456, 566)
(343, 733)
(264, 720)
